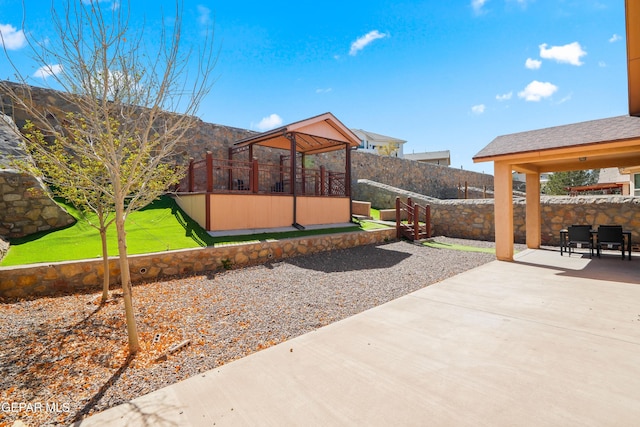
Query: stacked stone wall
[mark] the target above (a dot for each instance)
(26, 207)
(73, 276)
(425, 178)
(438, 181)
(474, 219)
(4, 248)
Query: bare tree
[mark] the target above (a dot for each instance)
(390, 149)
(77, 178)
(133, 101)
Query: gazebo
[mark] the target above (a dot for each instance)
(594, 144)
(270, 181)
(579, 146)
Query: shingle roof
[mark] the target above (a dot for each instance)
(576, 134)
(376, 137)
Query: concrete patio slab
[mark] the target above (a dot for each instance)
(542, 341)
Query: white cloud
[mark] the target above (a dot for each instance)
(325, 90)
(504, 96)
(568, 54)
(536, 90)
(533, 64)
(602, 64)
(269, 122)
(565, 99)
(477, 5)
(365, 40)
(47, 71)
(614, 38)
(204, 15)
(12, 38)
(478, 109)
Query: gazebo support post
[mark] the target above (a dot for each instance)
(347, 170)
(294, 192)
(207, 200)
(323, 177)
(209, 162)
(347, 178)
(303, 176)
(533, 215)
(230, 171)
(503, 211)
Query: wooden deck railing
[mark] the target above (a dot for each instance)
(235, 176)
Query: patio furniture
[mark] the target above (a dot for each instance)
(612, 237)
(278, 187)
(239, 184)
(578, 236)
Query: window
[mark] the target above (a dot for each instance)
(636, 184)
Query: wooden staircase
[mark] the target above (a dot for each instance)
(418, 220)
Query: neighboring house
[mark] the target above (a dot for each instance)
(436, 157)
(634, 179)
(379, 144)
(624, 181)
(614, 181)
(521, 177)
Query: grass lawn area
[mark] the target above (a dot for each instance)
(161, 226)
(456, 247)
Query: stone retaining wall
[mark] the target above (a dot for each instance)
(4, 248)
(72, 276)
(26, 207)
(423, 178)
(474, 219)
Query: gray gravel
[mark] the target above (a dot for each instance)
(231, 314)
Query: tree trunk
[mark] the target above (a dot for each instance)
(105, 265)
(125, 278)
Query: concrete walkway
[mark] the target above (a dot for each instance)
(542, 341)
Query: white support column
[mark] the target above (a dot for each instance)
(503, 216)
(534, 220)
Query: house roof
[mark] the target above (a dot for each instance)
(599, 143)
(584, 133)
(376, 137)
(429, 155)
(318, 134)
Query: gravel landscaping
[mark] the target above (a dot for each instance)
(64, 358)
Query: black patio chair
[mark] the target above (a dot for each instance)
(239, 184)
(578, 236)
(278, 187)
(610, 236)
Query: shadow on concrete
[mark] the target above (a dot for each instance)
(156, 414)
(609, 267)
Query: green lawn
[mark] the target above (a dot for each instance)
(159, 227)
(456, 247)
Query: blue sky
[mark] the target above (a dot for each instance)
(442, 75)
